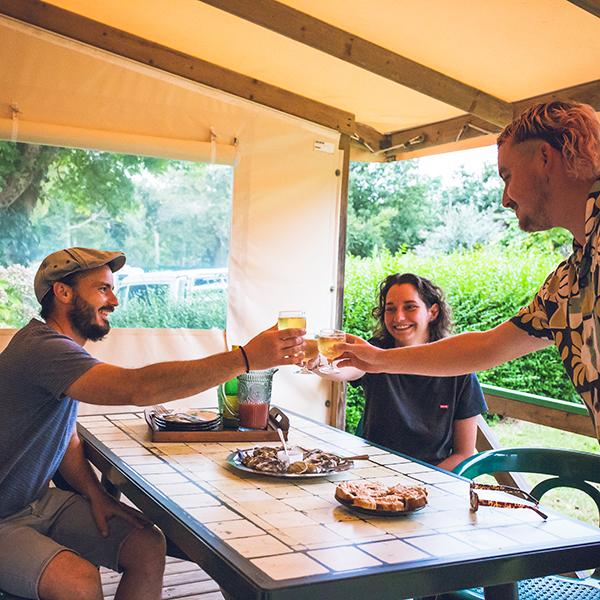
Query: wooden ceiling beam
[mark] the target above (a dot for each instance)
(359, 52)
(467, 126)
(591, 6)
(98, 35)
(587, 93)
(435, 134)
(367, 136)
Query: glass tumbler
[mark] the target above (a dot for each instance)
(254, 398)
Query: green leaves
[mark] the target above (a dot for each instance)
(389, 207)
(17, 305)
(53, 197)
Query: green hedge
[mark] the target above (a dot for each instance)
(204, 312)
(484, 287)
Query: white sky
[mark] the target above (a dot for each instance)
(445, 165)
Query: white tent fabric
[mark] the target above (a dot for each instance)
(132, 348)
(286, 197)
(69, 94)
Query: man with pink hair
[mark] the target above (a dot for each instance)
(549, 160)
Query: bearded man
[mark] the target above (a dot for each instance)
(51, 540)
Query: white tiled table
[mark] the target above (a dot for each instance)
(265, 537)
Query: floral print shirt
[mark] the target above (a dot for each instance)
(566, 309)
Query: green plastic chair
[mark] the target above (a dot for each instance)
(567, 469)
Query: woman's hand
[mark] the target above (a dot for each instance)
(358, 353)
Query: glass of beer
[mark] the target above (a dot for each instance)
(310, 351)
(328, 338)
(291, 319)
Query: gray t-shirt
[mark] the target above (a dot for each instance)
(37, 419)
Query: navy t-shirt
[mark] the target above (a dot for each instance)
(415, 414)
(36, 368)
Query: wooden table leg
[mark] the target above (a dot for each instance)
(506, 591)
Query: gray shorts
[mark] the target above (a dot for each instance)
(58, 521)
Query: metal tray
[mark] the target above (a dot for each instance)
(235, 461)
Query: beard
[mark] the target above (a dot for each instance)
(537, 217)
(530, 224)
(83, 319)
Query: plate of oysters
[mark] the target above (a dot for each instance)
(297, 462)
(374, 498)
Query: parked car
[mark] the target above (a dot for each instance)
(178, 286)
(125, 272)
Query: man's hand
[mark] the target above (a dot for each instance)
(104, 507)
(358, 353)
(274, 347)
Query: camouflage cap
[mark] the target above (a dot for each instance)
(59, 264)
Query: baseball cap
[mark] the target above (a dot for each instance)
(64, 262)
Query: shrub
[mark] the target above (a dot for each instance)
(17, 303)
(484, 288)
(157, 311)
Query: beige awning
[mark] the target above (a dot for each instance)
(405, 76)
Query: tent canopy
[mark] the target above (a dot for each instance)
(402, 78)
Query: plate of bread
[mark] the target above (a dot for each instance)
(374, 498)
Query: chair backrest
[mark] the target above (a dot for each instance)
(569, 468)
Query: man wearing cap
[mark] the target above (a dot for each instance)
(51, 540)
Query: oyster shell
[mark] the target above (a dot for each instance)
(297, 467)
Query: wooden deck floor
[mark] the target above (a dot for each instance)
(183, 580)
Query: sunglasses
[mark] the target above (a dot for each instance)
(476, 501)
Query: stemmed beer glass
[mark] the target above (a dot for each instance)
(328, 338)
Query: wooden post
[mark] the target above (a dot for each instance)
(337, 414)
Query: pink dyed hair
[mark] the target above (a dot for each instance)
(570, 127)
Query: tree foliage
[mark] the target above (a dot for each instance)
(389, 207)
(188, 208)
(47, 195)
(481, 192)
(393, 207)
(164, 214)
